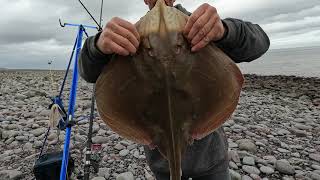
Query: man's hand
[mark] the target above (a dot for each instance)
(119, 37)
(204, 26)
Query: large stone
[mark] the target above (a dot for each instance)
(10, 175)
(21, 138)
(234, 156)
(270, 159)
(233, 165)
(314, 176)
(38, 132)
(9, 134)
(233, 145)
(27, 147)
(100, 140)
(12, 127)
(266, 170)
(315, 166)
(248, 145)
(283, 150)
(234, 175)
(52, 136)
(136, 154)
(124, 152)
(125, 176)
(104, 172)
(299, 133)
(119, 147)
(250, 169)
(284, 167)
(302, 126)
(248, 161)
(315, 157)
(20, 96)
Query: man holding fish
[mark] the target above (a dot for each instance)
(205, 159)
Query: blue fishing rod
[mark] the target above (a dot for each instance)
(72, 98)
(73, 91)
(45, 166)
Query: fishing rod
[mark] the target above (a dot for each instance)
(88, 161)
(98, 24)
(46, 163)
(69, 124)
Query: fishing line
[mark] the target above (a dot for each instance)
(100, 28)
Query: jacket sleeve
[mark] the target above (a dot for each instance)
(243, 41)
(92, 60)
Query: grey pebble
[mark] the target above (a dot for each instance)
(10, 174)
(314, 176)
(125, 176)
(303, 127)
(250, 169)
(234, 175)
(119, 147)
(245, 177)
(233, 165)
(124, 152)
(315, 166)
(315, 157)
(100, 140)
(248, 160)
(266, 170)
(38, 132)
(246, 144)
(283, 150)
(21, 138)
(284, 166)
(104, 172)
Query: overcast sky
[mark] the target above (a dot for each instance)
(30, 34)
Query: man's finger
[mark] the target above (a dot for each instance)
(205, 41)
(193, 18)
(118, 49)
(199, 24)
(205, 30)
(125, 33)
(129, 26)
(123, 42)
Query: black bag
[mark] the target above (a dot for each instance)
(48, 166)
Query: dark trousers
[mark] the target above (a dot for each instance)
(221, 175)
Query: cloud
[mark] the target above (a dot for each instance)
(30, 34)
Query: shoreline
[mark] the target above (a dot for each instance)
(274, 132)
(244, 74)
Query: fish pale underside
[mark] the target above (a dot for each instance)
(165, 96)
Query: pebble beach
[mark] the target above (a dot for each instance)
(273, 134)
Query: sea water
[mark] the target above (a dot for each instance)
(302, 61)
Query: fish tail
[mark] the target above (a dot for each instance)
(175, 161)
(174, 148)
